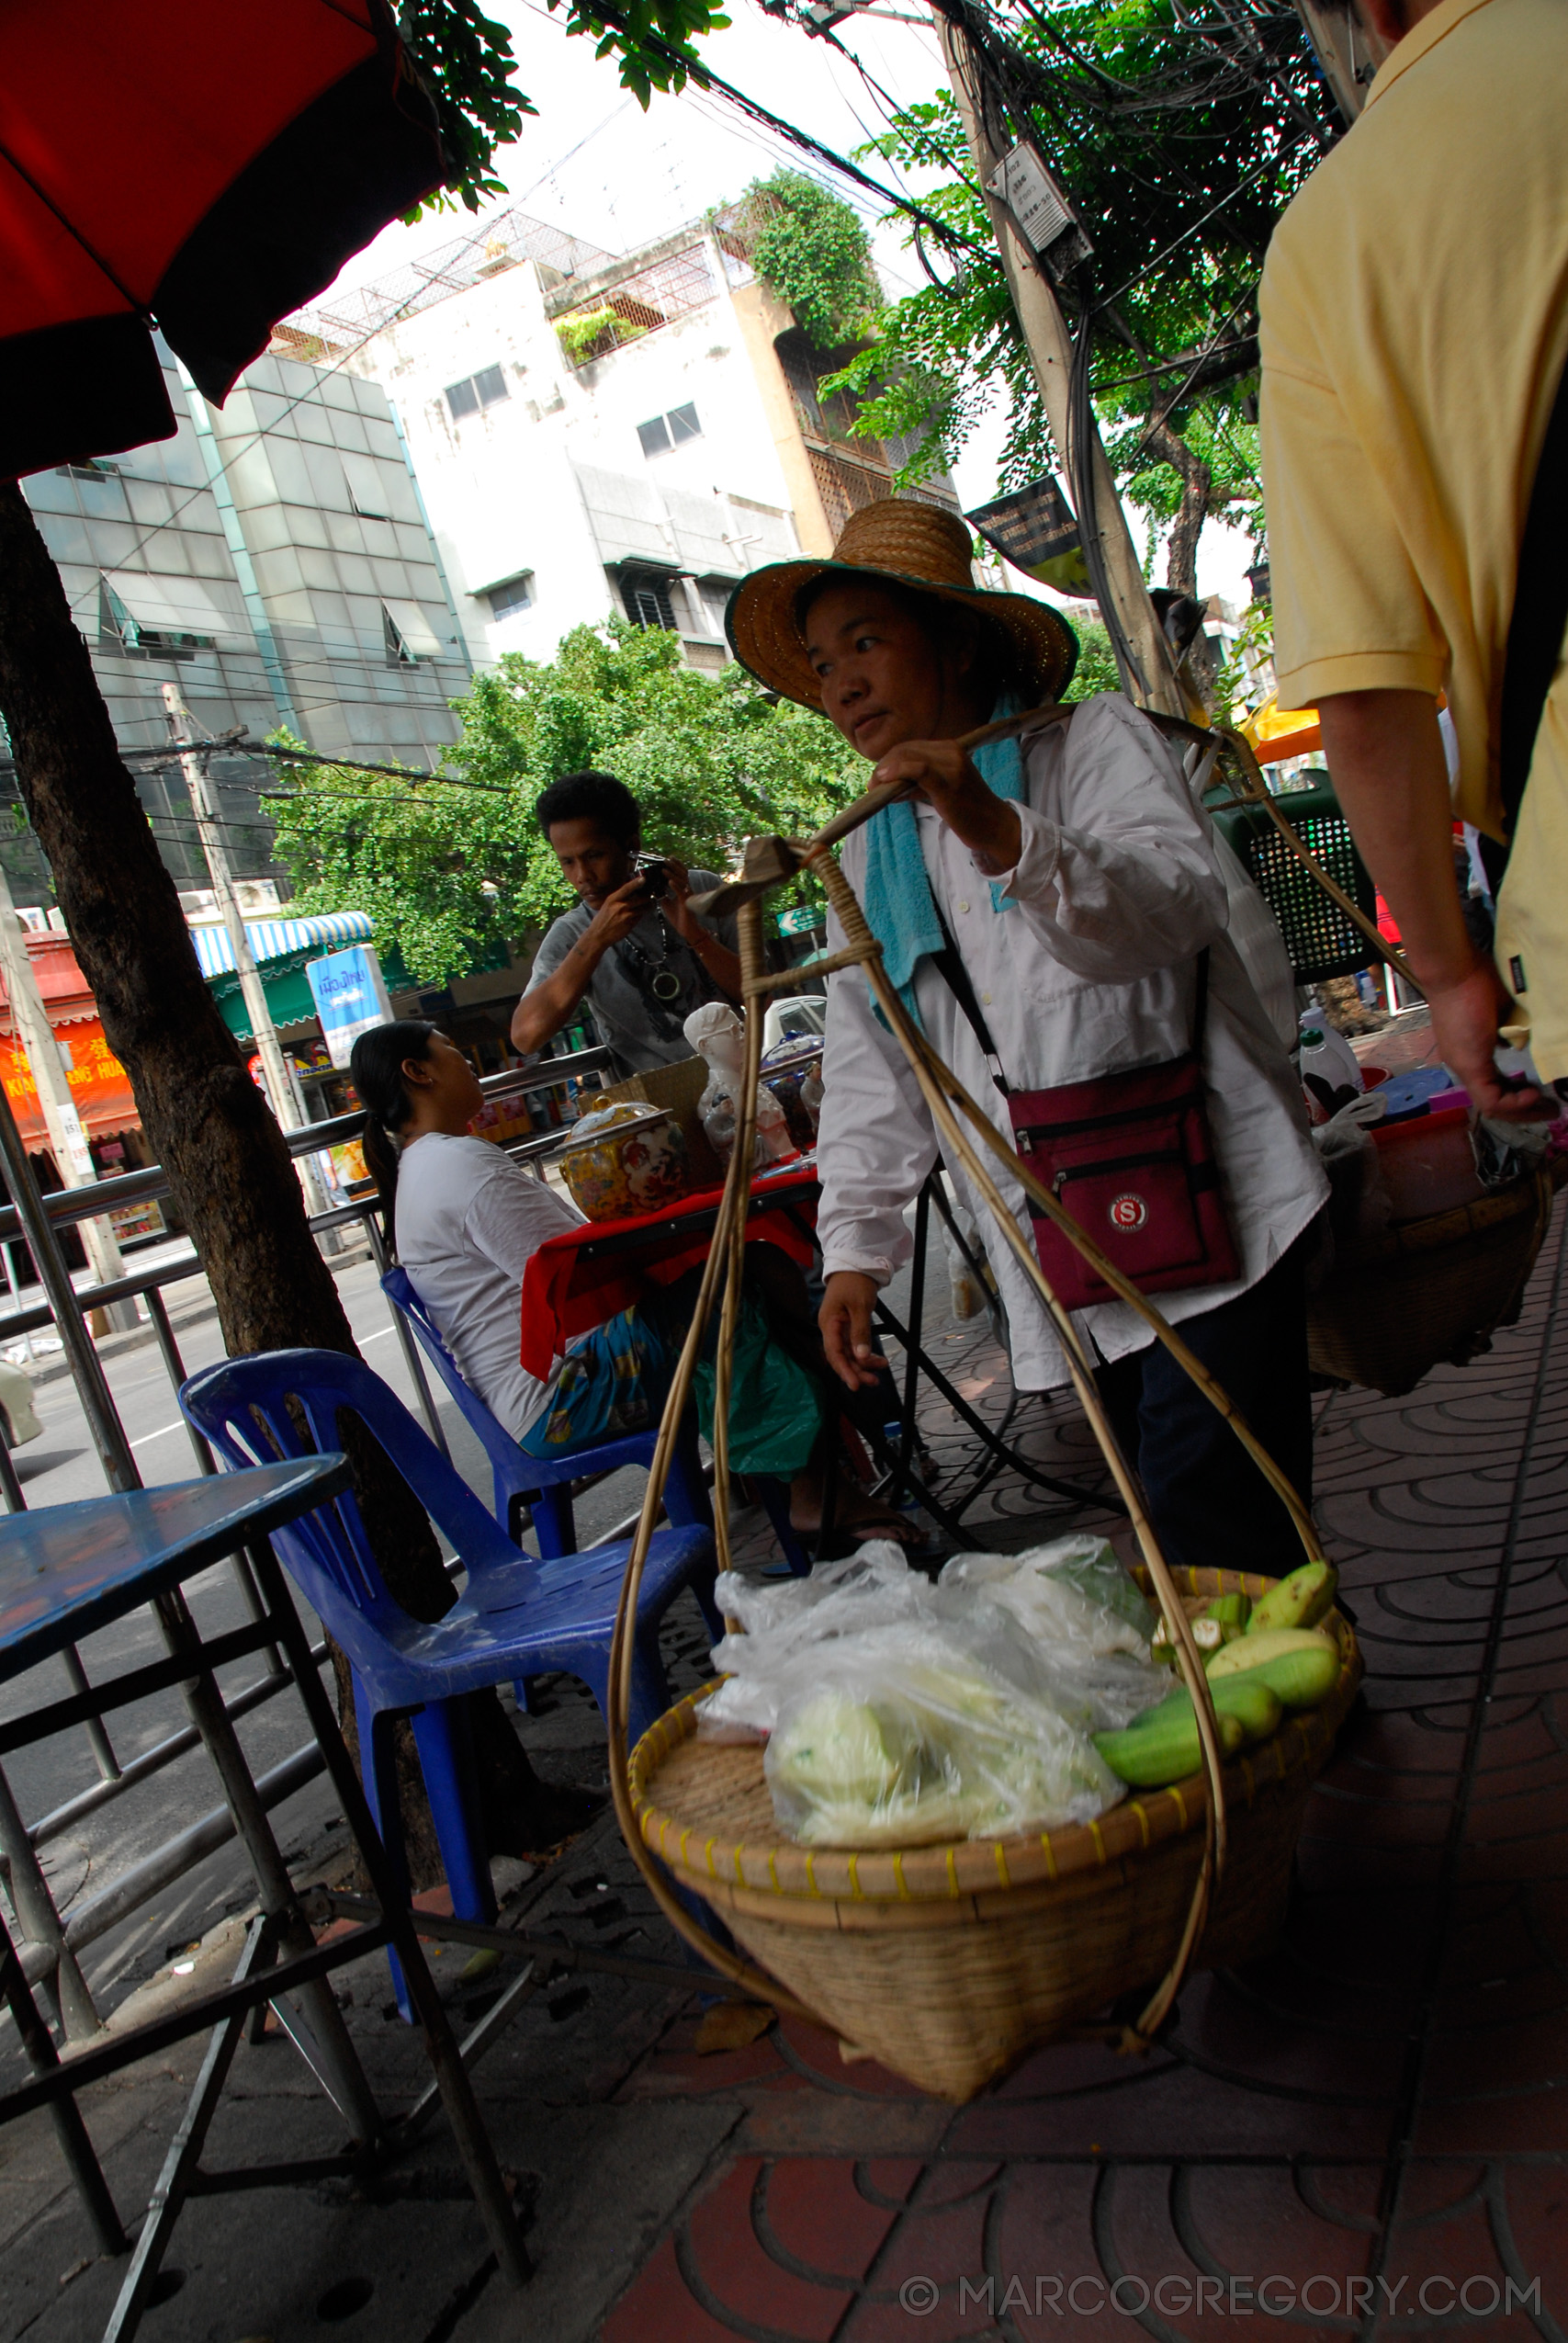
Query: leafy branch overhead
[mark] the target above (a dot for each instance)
(465, 61)
(810, 247)
(450, 870)
(1180, 133)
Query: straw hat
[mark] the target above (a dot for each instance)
(913, 544)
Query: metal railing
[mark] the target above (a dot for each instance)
(50, 1944)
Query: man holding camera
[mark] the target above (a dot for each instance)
(631, 944)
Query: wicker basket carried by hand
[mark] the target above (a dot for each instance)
(883, 1945)
(1428, 1291)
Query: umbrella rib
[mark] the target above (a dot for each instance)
(98, 259)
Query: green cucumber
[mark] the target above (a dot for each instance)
(1162, 1744)
(1300, 1600)
(1300, 1664)
(1232, 1613)
(1251, 1699)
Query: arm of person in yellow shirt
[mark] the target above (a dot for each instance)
(1385, 752)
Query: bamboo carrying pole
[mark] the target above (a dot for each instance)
(768, 863)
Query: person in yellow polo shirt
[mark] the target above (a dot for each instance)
(1414, 328)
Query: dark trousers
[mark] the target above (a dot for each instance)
(1209, 1503)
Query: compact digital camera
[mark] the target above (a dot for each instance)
(654, 876)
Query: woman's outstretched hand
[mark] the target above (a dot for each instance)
(844, 1320)
(946, 777)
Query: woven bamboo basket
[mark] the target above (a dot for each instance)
(1434, 1290)
(884, 1945)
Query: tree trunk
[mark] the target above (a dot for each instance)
(1197, 487)
(232, 1182)
(1181, 548)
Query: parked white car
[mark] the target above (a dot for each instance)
(803, 1012)
(18, 1422)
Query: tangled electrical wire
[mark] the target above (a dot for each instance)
(1214, 109)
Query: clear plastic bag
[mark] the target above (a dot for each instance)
(897, 1712)
(1087, 1623)
(874, 1587)
(902, 1735)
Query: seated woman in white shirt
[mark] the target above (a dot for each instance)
(1080, 887)
(465, 1220)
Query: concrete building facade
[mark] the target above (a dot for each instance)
(596, 435)
(273, 562)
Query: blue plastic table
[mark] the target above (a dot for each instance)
(67, 1569)
(70, 1569)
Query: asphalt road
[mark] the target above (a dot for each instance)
(61, 1466)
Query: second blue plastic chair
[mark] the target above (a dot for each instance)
(515, 1617)
(545, 1487)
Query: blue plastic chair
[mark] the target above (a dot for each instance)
(545, 1487)
(515, 1617)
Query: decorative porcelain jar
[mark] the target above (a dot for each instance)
(626, 1159)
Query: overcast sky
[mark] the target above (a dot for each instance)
(594, 162)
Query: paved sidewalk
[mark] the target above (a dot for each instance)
(1372, 2119)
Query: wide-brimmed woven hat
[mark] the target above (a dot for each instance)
(913, 544)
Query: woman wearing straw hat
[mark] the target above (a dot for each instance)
(1070, 891)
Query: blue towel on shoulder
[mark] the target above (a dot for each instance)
(899, 908)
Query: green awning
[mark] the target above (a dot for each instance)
(288, 996)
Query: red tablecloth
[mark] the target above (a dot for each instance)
(585, 1275)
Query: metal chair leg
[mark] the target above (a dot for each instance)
(169, 2190)
(43, 2058)
(456, 2090)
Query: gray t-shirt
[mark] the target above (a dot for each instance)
(625, 994)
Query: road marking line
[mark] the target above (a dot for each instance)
(179, 1424)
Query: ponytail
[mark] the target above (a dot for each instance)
(376, 1070)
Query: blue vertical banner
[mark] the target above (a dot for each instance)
(349, 994)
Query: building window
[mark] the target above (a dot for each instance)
(149, 634)
(408, 634)
(648, 601)
(515, 594)
(481, 389)
(669, 430)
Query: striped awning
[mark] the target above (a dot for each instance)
(280, 939)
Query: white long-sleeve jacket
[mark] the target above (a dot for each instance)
(1089, 967)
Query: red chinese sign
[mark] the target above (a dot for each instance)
(100, 1087)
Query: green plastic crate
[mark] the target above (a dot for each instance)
(1319, 938)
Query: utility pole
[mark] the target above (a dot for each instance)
(67, 1140)
(274, 1073)
(1050, 349)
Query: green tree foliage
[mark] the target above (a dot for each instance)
(447, 869)
(810, 247)
(466, 63)
(1096, 671)
(1179, 132)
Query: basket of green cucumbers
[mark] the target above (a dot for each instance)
(949, 1962)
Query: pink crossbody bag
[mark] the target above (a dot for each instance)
(1128, 1155)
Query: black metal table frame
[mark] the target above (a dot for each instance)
(280, 1957)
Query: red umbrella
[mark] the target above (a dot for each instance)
(203, 165)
